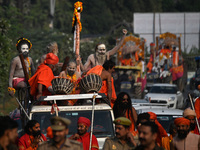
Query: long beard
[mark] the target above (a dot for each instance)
(192, 126)
(124, 105)
(100, 58)
(25, 54)
(182, 134)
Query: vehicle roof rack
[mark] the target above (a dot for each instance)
(71, 97)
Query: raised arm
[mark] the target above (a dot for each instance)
(114, 50)
(129, 49)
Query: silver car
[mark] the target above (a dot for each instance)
(167, 94)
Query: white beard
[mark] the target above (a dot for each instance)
(100, 58)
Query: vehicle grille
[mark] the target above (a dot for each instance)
(158, 101)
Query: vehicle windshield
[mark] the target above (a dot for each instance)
(163, 89)
(102, 121)
(166, 120)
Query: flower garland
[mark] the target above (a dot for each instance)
(29, 68)
(24, 40)
(75, 15)
(11, 89)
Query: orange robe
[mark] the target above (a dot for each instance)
(166, 142)
(104, 89)
(130, 117)
(85, 140)
(25, 141)
(161, 131)
(44, 75)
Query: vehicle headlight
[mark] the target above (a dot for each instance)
(171, 98)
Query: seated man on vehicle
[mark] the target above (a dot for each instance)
(16, 76)
(32, 137)
(83, 136)
(41, 81)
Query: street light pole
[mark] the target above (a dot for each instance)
(52, 10)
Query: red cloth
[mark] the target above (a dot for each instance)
(24, 142)
(161, 131)
(182, 121)
(51, 59)
(49, 132)
(197, 107)
(84, 121)
(44, 75)
(16, 81)
(152, 44)
(85, 140)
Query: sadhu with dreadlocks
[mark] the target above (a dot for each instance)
(123, 108)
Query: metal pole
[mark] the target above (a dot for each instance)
(52, 10)
(184, 34)
(56, 108)
(160, 24)
(154, 27)
(92, 121)
(191, 101)
(22, 108)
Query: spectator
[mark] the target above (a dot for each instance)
(32, 137)
(83, 136)
(123, 139)
(185, 140)
(123, 108)
(60, 129)
(148, 132)
(8, 133)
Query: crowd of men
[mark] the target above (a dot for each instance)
(132, 130)
(148, 135)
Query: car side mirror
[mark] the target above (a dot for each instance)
(178, 92)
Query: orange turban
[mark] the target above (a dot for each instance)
(152, 116)
(182, 121)
(84, 121)
(51, 59)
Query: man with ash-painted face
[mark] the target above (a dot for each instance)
(16, 76)
(101, 54)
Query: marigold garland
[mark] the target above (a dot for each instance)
(11, 89)
(29, 68)
(75, 15)
(25, 40)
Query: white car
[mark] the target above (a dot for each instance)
(167, 94)
(103, 126)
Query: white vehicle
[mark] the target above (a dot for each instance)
(103, 115)
(165, 116)
(167, 94)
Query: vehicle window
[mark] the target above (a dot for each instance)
(166, 120)
(163, 89)
(102, 127)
